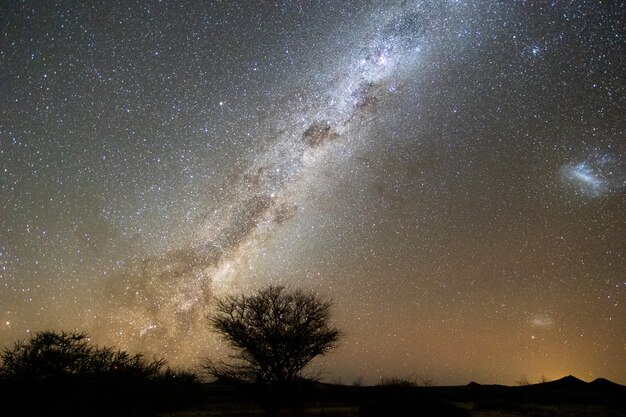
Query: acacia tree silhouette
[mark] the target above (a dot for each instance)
(275, 333)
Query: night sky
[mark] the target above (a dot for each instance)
(452, 174)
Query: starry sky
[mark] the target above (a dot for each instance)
(452, 174)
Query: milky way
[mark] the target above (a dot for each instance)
(450, 173)
(168, 298)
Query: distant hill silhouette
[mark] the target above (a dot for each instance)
(572, 390)
(572, 384)
(604, 385)
(568, 383)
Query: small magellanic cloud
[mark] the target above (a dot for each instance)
(541, 321)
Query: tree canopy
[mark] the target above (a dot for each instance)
(274, 333)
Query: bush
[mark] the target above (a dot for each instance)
(62, 374)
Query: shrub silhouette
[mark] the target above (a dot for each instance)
(63, 374)
(48, 356)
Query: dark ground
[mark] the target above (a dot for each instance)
(565, 397)
(568, 396)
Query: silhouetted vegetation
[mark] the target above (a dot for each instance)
(62, 374)
(396, 382)
(410, 381)
(274, 334)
